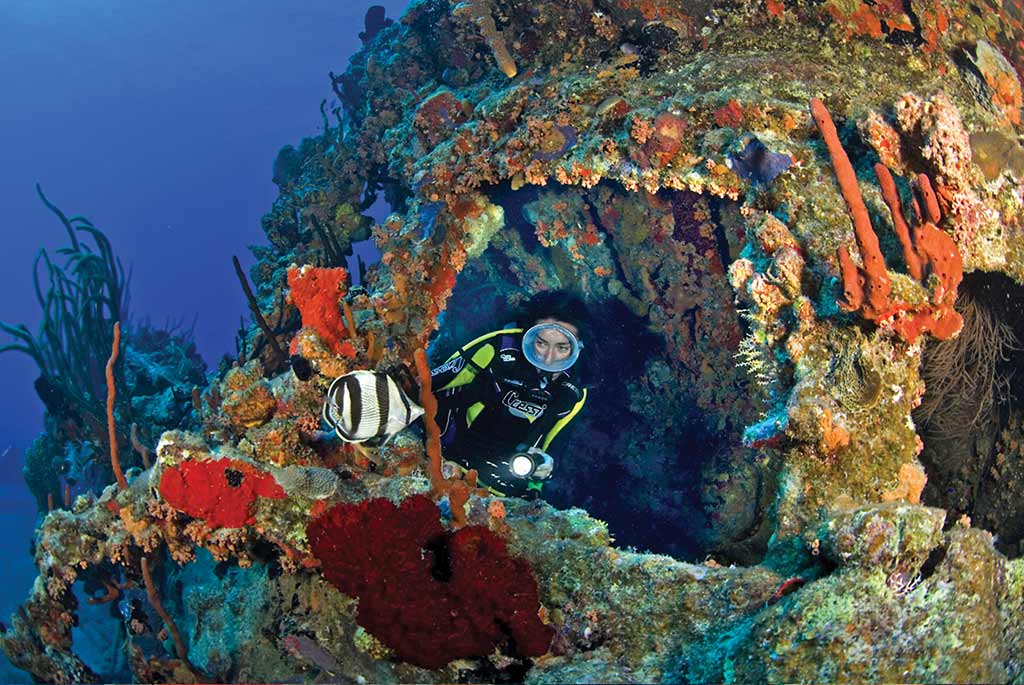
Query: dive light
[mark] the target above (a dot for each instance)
(532, 461)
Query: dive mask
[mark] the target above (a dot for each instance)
(532, 355)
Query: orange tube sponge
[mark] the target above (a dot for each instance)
(875, 276)
(927, 250)
(892, 201)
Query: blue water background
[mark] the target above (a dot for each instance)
(159, 121)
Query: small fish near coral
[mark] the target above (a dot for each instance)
(787, 586)
(364, 405)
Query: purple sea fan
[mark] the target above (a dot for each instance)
(757, 164)
(437, 116)
(555, 142)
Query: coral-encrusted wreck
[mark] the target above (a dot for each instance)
(801, 227)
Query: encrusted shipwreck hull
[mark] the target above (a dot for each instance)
(701, 174)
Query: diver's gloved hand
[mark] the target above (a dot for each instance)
(531, 462)
(545, 467)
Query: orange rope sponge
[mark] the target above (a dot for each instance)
(154, 599)
(350, 320)
(458, 491)
(115, 463)
(429, 404)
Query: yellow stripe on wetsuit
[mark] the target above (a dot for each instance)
(563, 421)
(480, 359)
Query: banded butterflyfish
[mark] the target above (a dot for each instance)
(363, 405)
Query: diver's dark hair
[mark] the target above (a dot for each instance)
(562, 305)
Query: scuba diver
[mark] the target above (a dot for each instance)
(504, 397)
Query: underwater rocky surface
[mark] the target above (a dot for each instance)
(800, 227)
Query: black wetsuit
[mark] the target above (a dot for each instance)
(491, 399)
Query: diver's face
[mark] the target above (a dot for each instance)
(553, 346)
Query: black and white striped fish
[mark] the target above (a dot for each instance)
(362, 405)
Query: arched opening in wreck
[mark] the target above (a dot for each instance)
(657, 453)
(971, 417)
